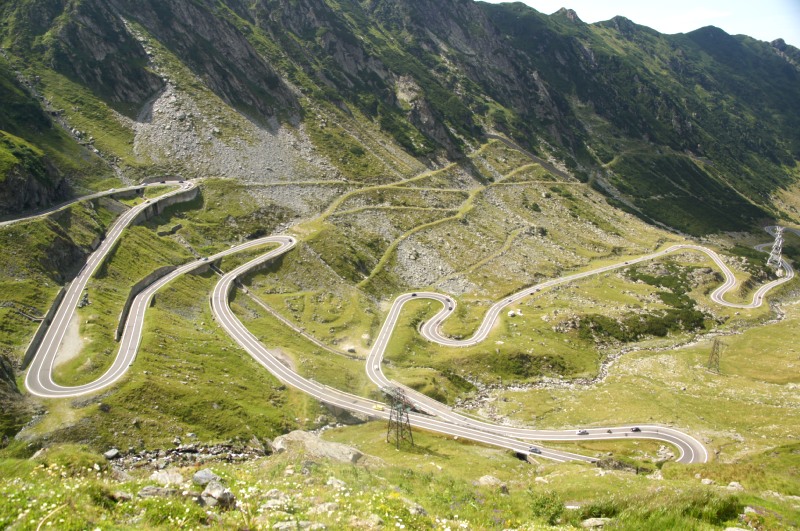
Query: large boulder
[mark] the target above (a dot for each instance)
(204, 477)
(216, 495)
(112, 454)
(313, 446)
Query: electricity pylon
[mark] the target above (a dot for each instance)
(777, 248)
(399, 426)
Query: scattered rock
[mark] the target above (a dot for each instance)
(257, 446)
(417, 510)
(491, 481)
(274, 505)
(120, 475)
(316, 447)
(216, 495)
(593, 523)
(540, 479)
(302, 524)
(156, 492)
(186, 455)
(324, 508)
(167, 477)
(371, 522)
(275, 494)
(336, 483)
(112, 454)
(204, 477)
(121, 496)
(707, 481)
(735, 485)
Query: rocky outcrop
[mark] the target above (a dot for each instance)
(314, 447)
(217, 495)
(215, 50)
(13, 409)
(32, 182)
(94, 48)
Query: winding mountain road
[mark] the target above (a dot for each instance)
(65, 204)
(39, 379)
(437, 417)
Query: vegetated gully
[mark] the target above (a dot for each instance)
(430, 415)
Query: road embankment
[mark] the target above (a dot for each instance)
(36, 341)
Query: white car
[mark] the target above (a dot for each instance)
(581, 432)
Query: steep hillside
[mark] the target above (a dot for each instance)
(696, 131)
(39, 162)
(476, 150)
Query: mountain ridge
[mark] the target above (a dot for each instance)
(436, 77)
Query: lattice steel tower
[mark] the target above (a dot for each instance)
(399, 426)
(777, 248)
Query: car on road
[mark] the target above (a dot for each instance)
(413, 294)
(204, 259)
(609, 431)
(377, 407)
(534, 450)
(581, 432)
(636, 429)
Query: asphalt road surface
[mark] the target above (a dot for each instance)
(39, 379)
(65, 204)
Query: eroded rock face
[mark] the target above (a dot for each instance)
(231, 67)
(31, 185)
(95, 48)
(313, 446)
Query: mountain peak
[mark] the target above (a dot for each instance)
(569, 14)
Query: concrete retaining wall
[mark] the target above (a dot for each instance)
(137, 289)
(33, 346)
(157, 207)
(153, 210)
(167, 179)
(127, 194)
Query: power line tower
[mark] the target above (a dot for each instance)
(713, 358)
(399, 427)
(777, 248)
